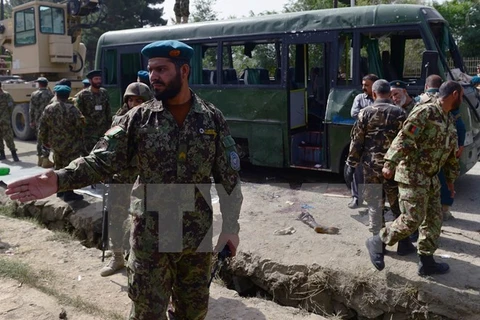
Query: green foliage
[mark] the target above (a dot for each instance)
(464, 19)
(203, 11)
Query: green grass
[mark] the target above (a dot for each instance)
(25, 274)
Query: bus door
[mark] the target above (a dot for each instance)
(308, 83)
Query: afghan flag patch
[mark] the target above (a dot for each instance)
(412, 130)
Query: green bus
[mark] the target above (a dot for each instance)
(286, 82)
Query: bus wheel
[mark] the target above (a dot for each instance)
(21, 122)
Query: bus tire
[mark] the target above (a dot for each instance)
(21, 122)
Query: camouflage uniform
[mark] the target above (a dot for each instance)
(426, 96)
(181, 9)
(95, 107)
(372, 134)
(409, 107)
(39, 100)
(60, 126)
(426, 143)
(170, 218)
(6, 109)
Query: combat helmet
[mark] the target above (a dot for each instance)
(137, 89)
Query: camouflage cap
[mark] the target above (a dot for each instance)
(138, 89)
(171, 49)
(42, 80)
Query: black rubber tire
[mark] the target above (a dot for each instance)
(21, 122)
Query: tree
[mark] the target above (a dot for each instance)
(464, 20)
(123, 14)
(203, 11)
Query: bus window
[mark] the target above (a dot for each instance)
(110, 67)
(209, 64)
(412, 64)
(345, 49)
(130, 64)
(251, 63)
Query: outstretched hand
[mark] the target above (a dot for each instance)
(33, 188)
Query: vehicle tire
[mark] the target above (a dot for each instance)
(21, 122)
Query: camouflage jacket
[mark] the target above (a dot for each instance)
(427, 95)
(39, 100)
(426, 143)
(6, 107)
(61, 125)
(373, 133)
(409, 107)
(175, 166)
(96, 109)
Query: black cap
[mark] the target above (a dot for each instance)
(94, 73)
(64, 82)
(398, 84)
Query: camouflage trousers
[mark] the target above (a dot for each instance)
(420, 207)
(6, 133)
(61, 159)
(376, 189)
(183, 276)
(118, 204)
(181, 8)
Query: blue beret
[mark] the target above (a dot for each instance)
(94, 73)
(142, 74)
(86, 81)
(62, 89)
(475, 80)
(398, 84)
(172, 49)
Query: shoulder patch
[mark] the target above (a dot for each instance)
(234, 161)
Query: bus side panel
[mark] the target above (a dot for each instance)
(339, 125)
(115, 98)
(258, 116)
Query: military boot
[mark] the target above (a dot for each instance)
(375, 251)
(71, 196)
(116, 263)
(427, 266)
(15, 156)
(40, 161)
(178, 19)
(2, 155)
(405, 247)
(46, 163)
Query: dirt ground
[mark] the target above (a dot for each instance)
(67, 273)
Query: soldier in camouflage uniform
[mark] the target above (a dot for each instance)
(372, 134)
(60, 126)
(120, 187)
(432, 84)
(180, 141)
(426, 143)
(93, 103)
(6, 131)
(401, 97)
(39, 100)
(182, 10)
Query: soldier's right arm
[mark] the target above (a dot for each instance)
(356, 107)
(405, 143)
(111, 155)
(357, 143)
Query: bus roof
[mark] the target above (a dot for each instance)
(327, 19)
